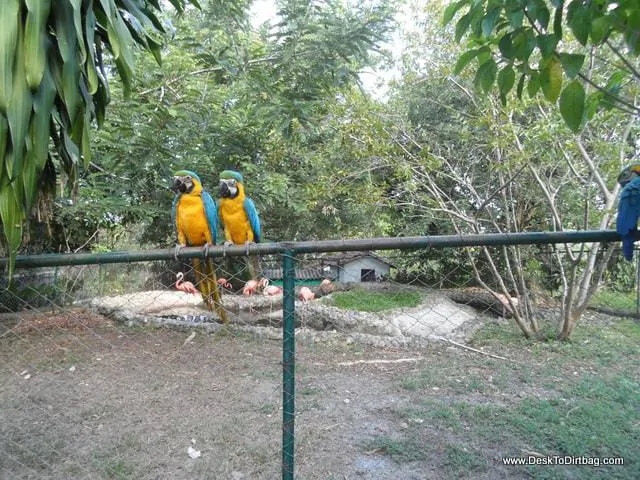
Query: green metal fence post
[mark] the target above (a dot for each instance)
(288, 363)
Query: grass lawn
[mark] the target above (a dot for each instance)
(615, 300)
(579, 398)
(370, 301)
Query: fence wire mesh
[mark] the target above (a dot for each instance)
(118, 371)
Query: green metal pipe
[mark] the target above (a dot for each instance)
(288, 364)
(402, 243)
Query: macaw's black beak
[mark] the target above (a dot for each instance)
(224, 190)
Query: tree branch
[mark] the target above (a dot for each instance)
(592, 168)
(628, 64)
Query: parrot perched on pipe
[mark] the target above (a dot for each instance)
(628, 208)
(238, 215)
(196, 219)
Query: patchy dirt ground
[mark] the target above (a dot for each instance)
(84, 397)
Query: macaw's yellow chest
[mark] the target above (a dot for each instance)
(236, 223)
(192, 221)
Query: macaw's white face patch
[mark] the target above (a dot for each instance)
(228, 187)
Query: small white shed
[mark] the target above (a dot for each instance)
(359, 267)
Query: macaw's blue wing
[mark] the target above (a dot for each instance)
(254, 219)
(628, 213)
(211, 211)
(174, 212)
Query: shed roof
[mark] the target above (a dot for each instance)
(313, 273)
(343, 258)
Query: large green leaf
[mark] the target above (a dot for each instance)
(579, 20)
(35, 36)
(4, 139)
(486, 75)
(542, 14)
(462, 26)
(9, 13)
(506, 79)
(551, 79)
(489, 21)
(506, 46)
(632, 33)
(121, 41)
(534, 84)
(464, 60)
(19, 109)
(571, 63)
(92, 71)
(77, 23)
(41, 120)
(68, 82)
(599, 29)
(450, 12)
(524, 43)
(12, 216)
(547, 44)
(29, 181)
(572, 104)
(557, 19)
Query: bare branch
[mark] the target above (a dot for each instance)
(624, 60)
(202, 71)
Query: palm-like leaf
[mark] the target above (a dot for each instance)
(52, 85)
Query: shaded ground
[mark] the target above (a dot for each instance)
(82, 397)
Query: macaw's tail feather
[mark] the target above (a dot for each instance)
(207, 283)
(627, 246)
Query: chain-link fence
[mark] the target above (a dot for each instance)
(141, 365)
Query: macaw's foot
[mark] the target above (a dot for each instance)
(177, 250)
(205, 250)
(247, 244)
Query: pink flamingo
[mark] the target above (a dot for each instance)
(186, 287)
(306, 294)
(250, 287)
(272, 290)
(223, 282)
(269, 290)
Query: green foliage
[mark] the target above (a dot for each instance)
(532, 38)
(367, 301)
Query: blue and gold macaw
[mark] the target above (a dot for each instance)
(238, 215)
(629, 208)
(196, 219)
